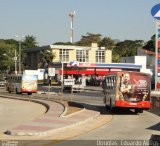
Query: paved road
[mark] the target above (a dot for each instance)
(126, 125)
(14, 112)
(92, 95)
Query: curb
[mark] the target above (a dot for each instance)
(55, 130)
(69, 115)
(21, 134)
(63, 116)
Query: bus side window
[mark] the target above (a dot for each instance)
(114, 82)
(110, 83)
(107, 83)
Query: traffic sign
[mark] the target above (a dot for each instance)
(51, 72)
(155, 11)
(74, 63)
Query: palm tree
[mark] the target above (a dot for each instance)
(29, 42)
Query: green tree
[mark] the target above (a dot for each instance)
(6, 56)
(150, 45)
(89, 39)
(63, 43)
(107, 42)
(126, 48)
(46, 57)
(7, 51)
(29, 42)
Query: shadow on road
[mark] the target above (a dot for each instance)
(97, 108)
(155, 127)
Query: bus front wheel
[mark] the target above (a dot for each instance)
(9, 91)
(16, 91)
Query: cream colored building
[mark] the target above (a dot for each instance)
(82, 54)
(65, 53)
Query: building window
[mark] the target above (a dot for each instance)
(82, 55)
(100, 56)
(65, 55)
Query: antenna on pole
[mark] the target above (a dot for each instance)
(71, 15)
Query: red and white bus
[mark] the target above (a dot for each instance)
(21, 84)
(127, 89)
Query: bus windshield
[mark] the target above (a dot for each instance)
(134, 87)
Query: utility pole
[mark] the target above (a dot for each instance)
(15, 61)
(71, 15)
(19, 58)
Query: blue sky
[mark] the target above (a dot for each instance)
(49, 22)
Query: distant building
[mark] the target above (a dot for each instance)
(144, 57)
(70, 53)
(150, 57)
(139, 60)
(91, 63)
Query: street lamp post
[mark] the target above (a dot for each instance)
(19, 59)
(15, 61)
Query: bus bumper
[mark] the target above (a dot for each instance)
(142, 104)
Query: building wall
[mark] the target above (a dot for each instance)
(72, 55)
(141, 60)
(108, 56)
(33, 56)
(92, 54)
(150, 58)
(56, 51)
(130, 59)
(138, 60)
(32, 60)
(141, 52)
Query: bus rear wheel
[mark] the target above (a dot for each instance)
(29, 93)
(110, 106)
(16, 91)
(138, 111)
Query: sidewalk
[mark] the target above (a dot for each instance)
(52, 121)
